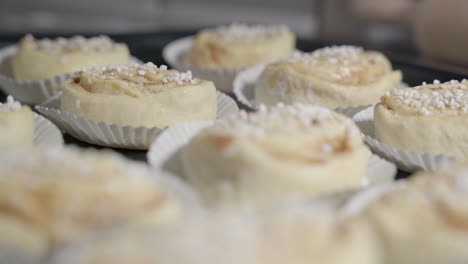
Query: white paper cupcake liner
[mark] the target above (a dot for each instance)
(244, 90)
(30, 92)
(46, 134)
(111, 135)
(406, 160)
(164, 153)
(244, 85)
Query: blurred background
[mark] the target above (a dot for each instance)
(429, 32)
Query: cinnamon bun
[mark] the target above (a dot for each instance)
(430, 118)
(63, 194)
(427, 221)
(258, 158)
(139, 95)
(332, 77)
(39, 59)
(239, 45)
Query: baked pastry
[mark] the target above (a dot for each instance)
(258, 158)
(67, 193)
(239, 45)
(233, 237)
(430, 118)
(332, 77)
(139, 95)
(39, 59)
(16, 124)
(426, 222)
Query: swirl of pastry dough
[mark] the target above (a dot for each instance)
(240, 45)
(39, 59)
(426, 222)
(336, 76)
(16, 124)
(66, 193)
(429, 118)
(275, 152)
(139, 95)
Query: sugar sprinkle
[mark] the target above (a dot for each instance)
(236, 31)
(433, 98)
(10, 105)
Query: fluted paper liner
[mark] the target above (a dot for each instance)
(164, 153)
(46, 134)
(406, 160)
(244, 85)
(111, 135)
(30, 92)
(244, 90)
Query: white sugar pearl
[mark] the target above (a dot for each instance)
(327, 148)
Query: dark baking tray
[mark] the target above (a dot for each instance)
(148, 47)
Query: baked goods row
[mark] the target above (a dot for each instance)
(426, 119)
(337, 77)
(276, 136)
(74, 206)
(334, 77)
(250, 179)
